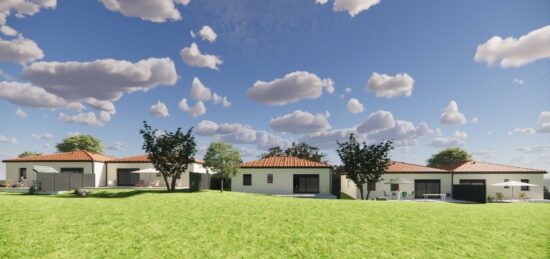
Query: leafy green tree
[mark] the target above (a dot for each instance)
(29, 153)
(170, 152)
(274, 151)
(364, 163)
(80, 142)
(305, 151)
(448, 156)
(222, 159)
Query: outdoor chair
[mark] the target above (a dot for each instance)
(403, 195)
(412, 195)
(8, 183)
(386, 195)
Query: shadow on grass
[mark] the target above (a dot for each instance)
(118, 194)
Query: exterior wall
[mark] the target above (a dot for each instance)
(535, 192)
(111, 174)
(12, 168)
(100, 170)
(282, 180)
(349, 188)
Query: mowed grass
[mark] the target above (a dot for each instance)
(127, 224)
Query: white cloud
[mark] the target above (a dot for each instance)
(354, 106)
(460, 135)
(446, 142)
(221, 100)
(20, 50)
(404, 133)
(300, 122)
(347, 90)
(102, 79)
(104, 116)
(149, 10)
(390, 86)
(5, 139)
(512, 52)
(23, 8)
(196, 111)
(327, 139)
(159, 110)
(208, 34)
(353, 7)
(199, 91)
(475, 120)
(524, 131)
(379, 120)
(544, 120)
(73, 133)
(293, 87)
(20, 113)
(452, 116)
(102, 105)
(518, 81)
(116, 146)
(89, 119)
(237, 133)
(42, 136)
(438, 132)
(8, 31)
(32, 96)
(192, 56)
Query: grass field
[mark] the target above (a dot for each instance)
(211, 224)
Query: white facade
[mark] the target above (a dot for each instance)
(282, 180)
(112, 168)
(89, 167)
(534, 192)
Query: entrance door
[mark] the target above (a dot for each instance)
(306, 183)
(126, 178)
(422, 187)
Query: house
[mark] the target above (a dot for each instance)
(87, 169)
(428, 180)
(283, 175)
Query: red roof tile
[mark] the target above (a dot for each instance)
(401, 167)
(79, 156)
(283, 162)
(141, 159)
(484, 167)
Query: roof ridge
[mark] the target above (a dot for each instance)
(492, 163)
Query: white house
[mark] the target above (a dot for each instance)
(283, 176)
(428, 180)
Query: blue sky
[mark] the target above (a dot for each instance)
(423, 52)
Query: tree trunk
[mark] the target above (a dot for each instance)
(368, 193)
(173, 184)
(221, 189)
(360, 186)
(166, 182)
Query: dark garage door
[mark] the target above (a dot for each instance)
(126, 178)
(422, 187)
(306, 183)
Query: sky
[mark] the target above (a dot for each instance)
(425, 74)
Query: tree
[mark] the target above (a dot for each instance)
(274, 151)
(300, 150)
(80, 142)
(29, 153)
(223, 159)
(364, 163)
(448, 156)
(170, 152)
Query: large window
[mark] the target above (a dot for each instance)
(525, 188)
(22, 173)
(306, 183)
(506, 187)
(431, 186)
(73, 170)
(371, 185)
(394, 187)
(247, 179)
(270, 178)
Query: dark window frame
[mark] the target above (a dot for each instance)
(306, 179)
(394, 187)
(76, 170)
(247, 179)
(23, 173)
(506, 187)
(525, 188)
(270, 178)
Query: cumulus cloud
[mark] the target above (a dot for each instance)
(518, 81)
(327, 139)
(379, 120)
(29, 95)
(237, 133)
(293, 87)
(544, 120)
(20, 50)
(199, 91)
(88, 119)
(23, 8)
(512, 52)
(20, 113)
(116, 146)
(524, 131)
(460, 135)
(150, 10)
(192, 56)
(452, 116)
(300, 122)
(102, 105)
(221, 100)
(42, 136)
(354, 106)
(353, 7)
(195, 111)
(8, 31)
(446, 142)
(102, 79)
(5, 139)
(475, 120)
(404, 133)
(207, 33)
(159, 110)
(390, 86)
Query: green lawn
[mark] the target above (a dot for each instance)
(210, 224)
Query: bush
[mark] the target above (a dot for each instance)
(489, 198)
(32, 190)
(80, 192)
(523, 196)
(500, 196)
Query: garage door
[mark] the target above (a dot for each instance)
(126, 178)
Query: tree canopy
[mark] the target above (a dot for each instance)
(170, 152)
(448, 156)
(300, 150)
(80, 142)
(364, 163)
(29, 153)
(222, 159)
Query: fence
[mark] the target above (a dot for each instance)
(48, 182)
(468, 192)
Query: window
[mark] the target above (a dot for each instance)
(247, 179)
(159, 174)
(270, 178)
(525, 188)
(73, 170)
(22, 173)
(506, 187)
(394, 187)
(371, 185)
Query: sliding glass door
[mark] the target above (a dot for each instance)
(422, 187)
(306, 183)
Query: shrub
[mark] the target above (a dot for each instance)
(523, 196)
(80, 192)
(489, 198)
(32, 190)
(500, 196)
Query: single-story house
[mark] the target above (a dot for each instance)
(428, 180)
(283, 176)
(94, 170)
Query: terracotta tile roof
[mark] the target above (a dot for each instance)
(141, 159)
(484, 167)
(283, 162)
(80, 156)
(401, 167)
